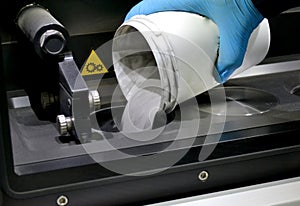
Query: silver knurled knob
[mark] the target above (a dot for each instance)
(94, 99)
(47, 99)
(64, 124)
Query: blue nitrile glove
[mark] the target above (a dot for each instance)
(236, 19)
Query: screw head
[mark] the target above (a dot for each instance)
(203, 176)
(62, 200)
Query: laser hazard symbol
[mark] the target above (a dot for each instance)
(93, 65)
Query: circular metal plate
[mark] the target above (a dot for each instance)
(240, 101)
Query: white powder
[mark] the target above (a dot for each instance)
(144, 98)
(140, 111)
(139, 79)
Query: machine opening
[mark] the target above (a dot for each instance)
(241, 101)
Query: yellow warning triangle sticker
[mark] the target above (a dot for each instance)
(93, 65)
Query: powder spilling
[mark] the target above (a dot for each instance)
(141, 111)
(139, 79)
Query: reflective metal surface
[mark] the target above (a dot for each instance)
(241, 101)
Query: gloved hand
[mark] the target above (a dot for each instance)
(236, 19)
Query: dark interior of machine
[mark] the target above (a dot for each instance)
(257, 145)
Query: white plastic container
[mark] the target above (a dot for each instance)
(184, 48)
